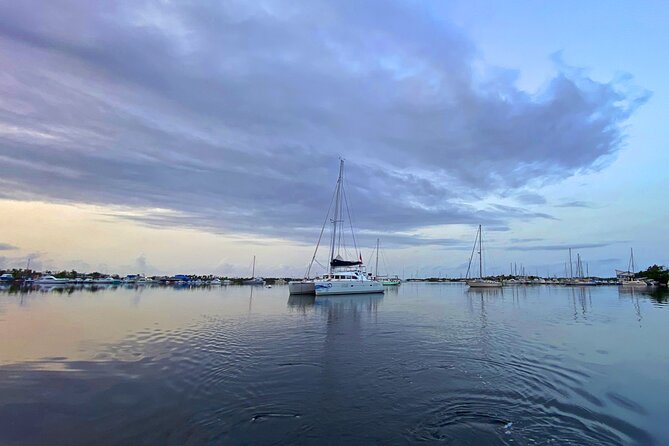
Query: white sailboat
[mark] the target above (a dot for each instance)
(627, 278)
(385, 280)
(344, 276)
(254, 280)
(480, 282)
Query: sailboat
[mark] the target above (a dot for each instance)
(579, 279)
(480, 282)
(385, 280)
(344, 276)
(254, 280)
(627, 278)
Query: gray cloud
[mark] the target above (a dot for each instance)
(233, 115)
(7, 247)
(575, 204)
(557, 247)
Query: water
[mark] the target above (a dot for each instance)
(432, 363)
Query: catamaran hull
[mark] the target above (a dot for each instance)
(326, 288)
(301, 287)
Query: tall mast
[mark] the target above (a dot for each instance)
(376, 273)
(253, 272)
(571, 271)
(335, 220)
(480, 254)
(632, 259)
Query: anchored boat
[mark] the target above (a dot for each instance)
(344, 276)
(480, 282)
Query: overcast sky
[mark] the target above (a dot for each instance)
(166, 137)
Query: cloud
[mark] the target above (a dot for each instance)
(232, 115)
(530, 198)
(7, 247)
(575, 204)
(563, 247)
(525, 240)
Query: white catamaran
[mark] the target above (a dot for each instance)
(344, 276)
(480, 282)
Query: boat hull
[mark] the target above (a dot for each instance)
(483, 284)
(254, 282)
(328, 288)
(634, 284)
(390, 282)
(302, 287)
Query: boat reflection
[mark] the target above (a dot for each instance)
(350, 302)
(301, 301)
(485, 292)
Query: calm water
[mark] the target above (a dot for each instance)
(431, 363)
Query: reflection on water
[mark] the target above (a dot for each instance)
(435, 363)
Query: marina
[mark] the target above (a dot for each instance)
(333, 223)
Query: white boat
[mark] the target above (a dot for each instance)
(345, 276)
(215, 281)
(51, 280)
(348, 281)
(254, 280)
(483, 283)
(385, 280)
(627, 278)
(480, 282)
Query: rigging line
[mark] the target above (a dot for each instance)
(320, 236)
(472, 256)
(350, 220)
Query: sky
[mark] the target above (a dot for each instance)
(187, 137)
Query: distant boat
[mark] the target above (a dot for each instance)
(385, 280)
(6, 278)
(132, 278)
(580, 279)
(108, 281)
(215, 281)
(628, 279)
(254, 280)
(480, 282)
(51, 280)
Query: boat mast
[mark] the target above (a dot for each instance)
(571, 271)
(480, 253)
(376, 272)
(335, 220)
(253, 271)
(632, 259)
